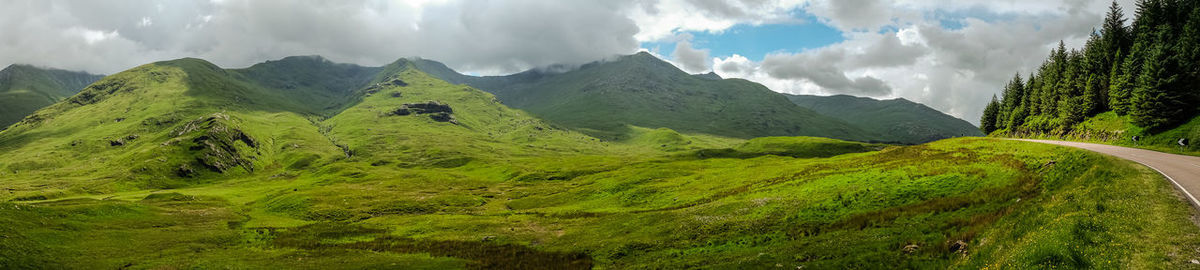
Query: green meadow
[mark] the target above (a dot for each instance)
(960, 203)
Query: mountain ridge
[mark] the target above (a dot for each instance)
(181, 122)
(26, 88)
(602, 97)
(907, 121)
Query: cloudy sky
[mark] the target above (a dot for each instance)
(949, 54)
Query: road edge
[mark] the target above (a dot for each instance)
(1191, 198)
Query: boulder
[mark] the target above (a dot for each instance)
(185, 171)
(958, 247)
(436, 110)
(429, 107)
(443, 117)
(402, 111)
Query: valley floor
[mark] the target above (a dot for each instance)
(967, 203)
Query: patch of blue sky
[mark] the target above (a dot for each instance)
(957, 19)
(756, 41)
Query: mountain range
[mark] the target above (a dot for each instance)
(173, 121)
(609, 99)
(902, 120)
(25, 89)
(600, 98)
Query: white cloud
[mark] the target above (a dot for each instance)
(690, 59)
(91, 37)
(662, 19)
(952, 70)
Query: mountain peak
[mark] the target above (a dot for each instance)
(708, 76)
(643, 56)
(305, 58)
(191, 64)
(28, 68)
(642, 63)
(15, 67)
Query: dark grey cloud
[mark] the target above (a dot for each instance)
(719, 8)
(820, 70)
(490, 36)
(850, 15)
(732, 9)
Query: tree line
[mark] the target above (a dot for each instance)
(1149, 70)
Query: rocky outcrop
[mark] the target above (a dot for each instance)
(436, 110)
(121, 141)
(216, 145)
(429, 107)
(393, 82)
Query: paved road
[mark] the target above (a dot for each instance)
(1183, 171)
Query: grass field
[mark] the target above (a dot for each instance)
(1012, 205)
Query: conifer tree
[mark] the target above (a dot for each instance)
(1188, 51)
(1033, 95)
(1114, 36)
(1158, 101)
(1145, 71)
(1072, 105)
(987, 123)
(1121, 83)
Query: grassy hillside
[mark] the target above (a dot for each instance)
(319, 85)
(25, 89)
(603, 98)
(903, 121)
(208, 123)
(962, 203)
(1110, 128)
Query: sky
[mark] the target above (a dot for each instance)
(952, 55)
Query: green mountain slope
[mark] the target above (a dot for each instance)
(184, 122)
(25, 89)
(602, 98)
(902, 120)
(312, 83)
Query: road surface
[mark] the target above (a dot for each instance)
(1183, 171)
